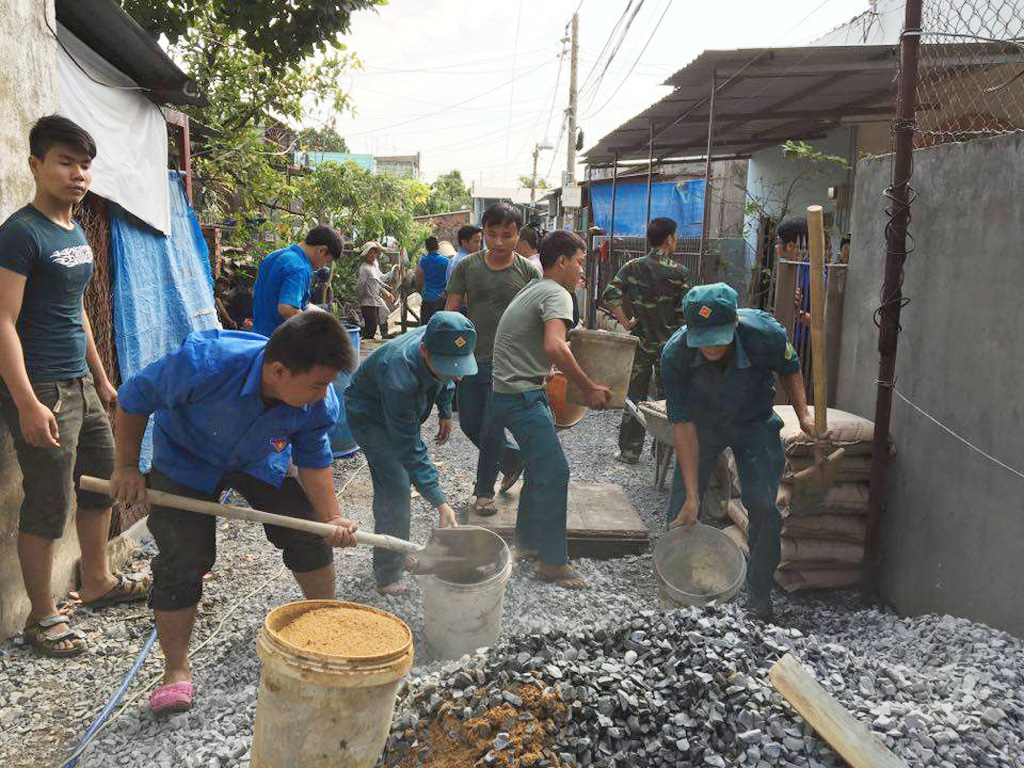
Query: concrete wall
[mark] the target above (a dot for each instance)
(953, 532)
(28, 90)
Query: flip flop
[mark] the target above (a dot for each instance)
(167, 699)
(484, 507)
(510, 479)
(44, 637)
(128, 589)
(562, 579)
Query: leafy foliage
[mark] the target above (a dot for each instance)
(280, 33)
(324, 139)
(526, 180)
(447, 193)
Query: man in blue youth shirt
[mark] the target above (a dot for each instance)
(389, 398)
(282, 286)
(718, 371)
(431, 280)
(228, 407)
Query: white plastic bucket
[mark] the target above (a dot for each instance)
(459, 618)
(607, 358)
(317, 710)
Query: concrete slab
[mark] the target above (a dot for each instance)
(602, 521)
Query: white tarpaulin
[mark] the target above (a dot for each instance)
(131, 137)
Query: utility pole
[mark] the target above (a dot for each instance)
(533, 178)
(570, 165)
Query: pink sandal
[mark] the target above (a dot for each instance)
(176, 697)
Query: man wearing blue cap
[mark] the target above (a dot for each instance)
(718, 373)
(390, 396)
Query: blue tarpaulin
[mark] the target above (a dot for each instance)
(683, 202)
(163, 288)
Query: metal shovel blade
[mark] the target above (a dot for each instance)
(462, 555)
(810, 485)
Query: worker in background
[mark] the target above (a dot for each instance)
(55, 392)
(390, 396)
(486, 282)
(230, 408)
(719, 374)
(646, 298)
(372, 286)
(431, 272)
(283, 281)
(471, 240)
(531, 337)
(529, 240)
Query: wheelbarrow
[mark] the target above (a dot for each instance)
(653, 418)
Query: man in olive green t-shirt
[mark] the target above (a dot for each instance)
(485, 282)
(531, 336)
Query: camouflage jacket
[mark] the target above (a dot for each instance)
(652, 290)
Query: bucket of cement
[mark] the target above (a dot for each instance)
(329, 678)
(605, 357)
(697, 566)
(462, 611)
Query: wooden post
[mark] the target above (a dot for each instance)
(819, 353)
(785, 291)
(835, 295)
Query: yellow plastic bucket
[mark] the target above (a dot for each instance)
(317, 710)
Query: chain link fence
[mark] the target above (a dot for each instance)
(971, 70)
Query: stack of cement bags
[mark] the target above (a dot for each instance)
(823, 548)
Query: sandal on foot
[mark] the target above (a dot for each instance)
(511, 478)
(484, 507)
(399, 587)
(167, 699)
(563, 579)
(128, 589)
(44, 636)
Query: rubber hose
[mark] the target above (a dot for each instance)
(113, 701)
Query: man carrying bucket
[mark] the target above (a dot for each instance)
(389, 398)
(230, 407)
(531, 337)
(718, 371)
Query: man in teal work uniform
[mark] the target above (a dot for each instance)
(390, 396)
(282, 286)
(230, 408)
(718, 371)
(530, 338)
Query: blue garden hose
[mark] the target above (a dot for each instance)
(112, 702)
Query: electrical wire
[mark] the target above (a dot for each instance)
(614, 52)
(512, 87)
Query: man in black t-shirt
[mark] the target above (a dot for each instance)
(54, 388)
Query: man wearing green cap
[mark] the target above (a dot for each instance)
(718, 372)
(391, 394)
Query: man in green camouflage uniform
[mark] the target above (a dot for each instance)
(651, 289)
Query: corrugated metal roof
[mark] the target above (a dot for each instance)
(764, 96)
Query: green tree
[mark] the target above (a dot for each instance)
(447, 193)
(280, 33)
(324, 139)
(526, 180)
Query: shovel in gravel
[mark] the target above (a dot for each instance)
(449, 552)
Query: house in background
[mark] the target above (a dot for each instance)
(402, 166)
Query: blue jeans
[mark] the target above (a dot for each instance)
(760, 460)
(391, 492)
(544, 500)
(496, 450)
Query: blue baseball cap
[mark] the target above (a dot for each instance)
(710, 314)
(450, 338)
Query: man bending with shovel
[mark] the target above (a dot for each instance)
(718, 372)
(230, 408)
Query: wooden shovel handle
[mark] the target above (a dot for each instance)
(164, 499)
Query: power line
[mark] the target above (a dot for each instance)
(512, 88)
(604, 48)
(614, 52)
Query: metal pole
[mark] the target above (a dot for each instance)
(650, 165)
(708, 271)
(892, 295)
(611, 226)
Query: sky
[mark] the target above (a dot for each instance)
(475, 86)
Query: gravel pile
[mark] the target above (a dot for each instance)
(691, 688)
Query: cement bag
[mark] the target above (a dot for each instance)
(841, 499)
(739, 537)
(831, 527)
(800, 550)
(833, 577)
(853, 433)
(852, 469)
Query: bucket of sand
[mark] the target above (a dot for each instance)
(330, 675)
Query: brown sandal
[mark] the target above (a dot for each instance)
(128, 589)
(44, 637)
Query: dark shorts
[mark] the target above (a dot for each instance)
(188, 540)
(50, 475)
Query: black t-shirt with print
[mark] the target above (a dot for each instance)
(57, 264)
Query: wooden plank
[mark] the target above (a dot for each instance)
(834, 723)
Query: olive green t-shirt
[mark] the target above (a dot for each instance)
(520, 362)
(57, 265)
(486, 292)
